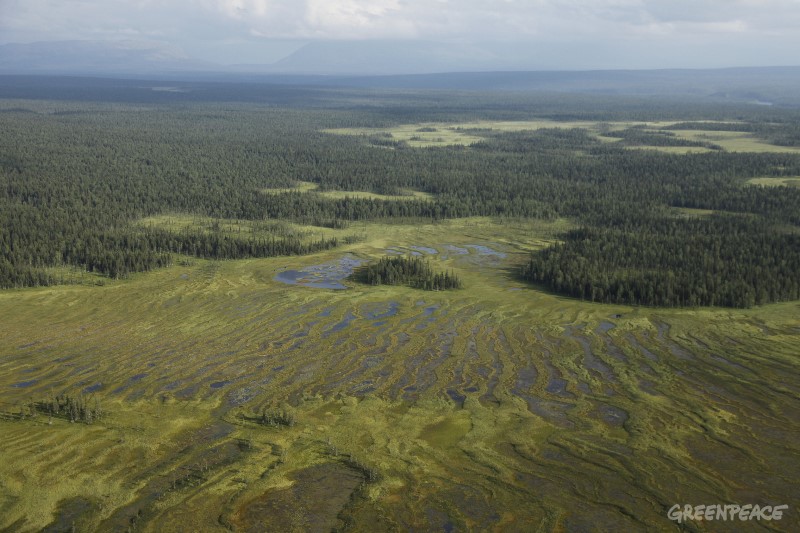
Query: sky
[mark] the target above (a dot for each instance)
(567, 34)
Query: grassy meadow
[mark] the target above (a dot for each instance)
(424, 135)
(279, 394)
(305, 187)
(775, 182)
(232, 400)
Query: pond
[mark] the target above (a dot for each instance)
(379, 311)
(425, 250)
(485, 250)
(324, 276)
(457, 249)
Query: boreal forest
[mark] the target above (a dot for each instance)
(655, 226)
(290, 304)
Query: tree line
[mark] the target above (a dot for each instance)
(724, 261)
(75, 177)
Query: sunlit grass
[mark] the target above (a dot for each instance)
(673, 149)
(428, 134)
(468, 133)
(734, 141)
(300, 186)
(409, 195)
(417, 135)
(691, 212)
(775, 182)
(495, 403)
(304, 186)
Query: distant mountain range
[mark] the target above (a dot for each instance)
(96, 57)
(390, 64)
(326, 58)
(331, 57)
(397, 57)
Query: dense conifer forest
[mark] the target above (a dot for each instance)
(725, 261)
(76, 176)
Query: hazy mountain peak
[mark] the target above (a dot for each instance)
(94, 56)
(389, 57)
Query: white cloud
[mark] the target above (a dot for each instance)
(196, 21)
(358, 19)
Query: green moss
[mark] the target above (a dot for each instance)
(511, 405)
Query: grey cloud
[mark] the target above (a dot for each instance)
(254, 29)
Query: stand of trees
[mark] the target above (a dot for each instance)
(76, 176)
(724, 261)
(412, 271)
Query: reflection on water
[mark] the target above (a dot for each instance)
(325, 276)
(348, 318)
(380, 310)
(24, 384)
(605, 327)
(485, 250)
(425, 250)
(457, 249)
(93, 388)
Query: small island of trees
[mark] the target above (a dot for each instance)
(412, 271)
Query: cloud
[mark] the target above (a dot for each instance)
(194, 22)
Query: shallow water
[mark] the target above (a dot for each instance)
(428, 316)
(480, 249)
(558, 386)
(323, 276)
(459, 399)
(430, 310)
(380, 311)
(526, 378)
(425, 250)
(457, 249)
(604, 327)
(94, 388)
(339, 326)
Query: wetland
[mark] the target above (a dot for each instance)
(183, 346)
